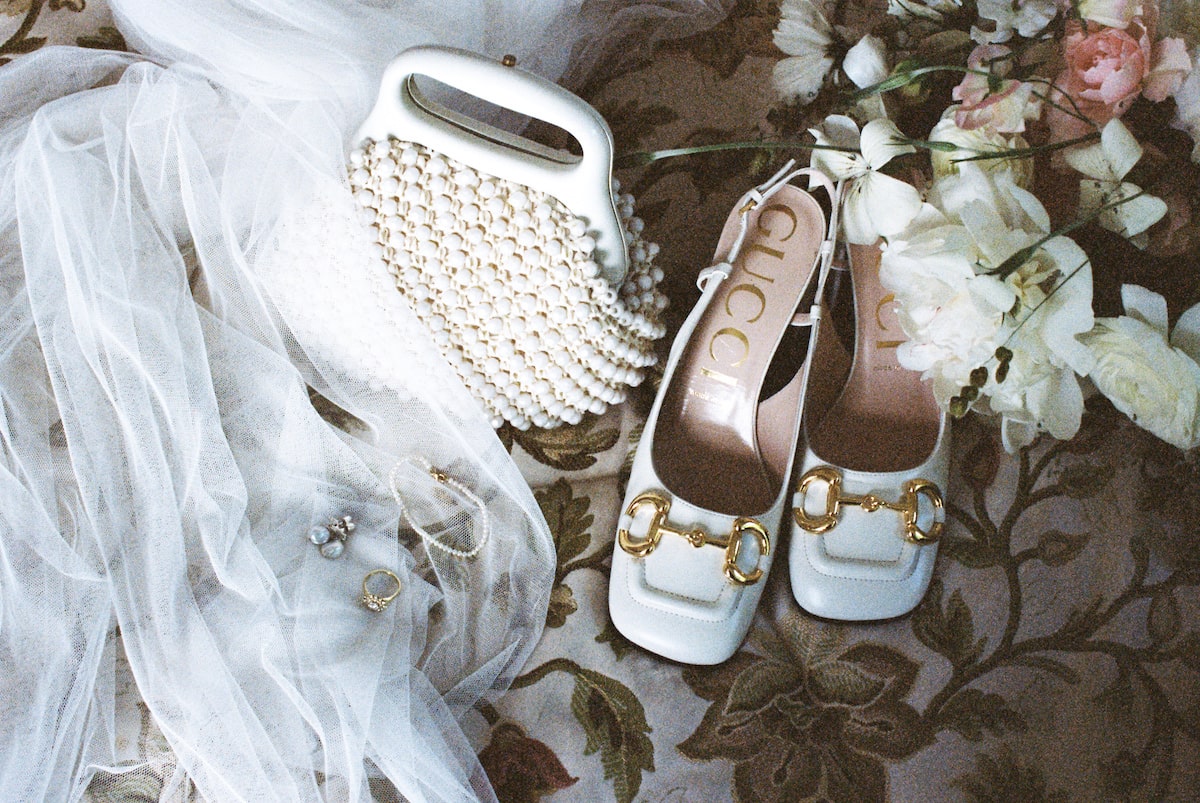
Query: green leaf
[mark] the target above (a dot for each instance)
(568, 518)
(973, 713)
(568, 448)
(562, 605)
(620, 645)
(1164, 618)
(1056, 548)
(615, 724)
(1049, 666)
(107, 787)
(1085, 480)
(950, 632)
(970, 553)
(105, 38)
(27, 45)
(844, 683)
(760, 683)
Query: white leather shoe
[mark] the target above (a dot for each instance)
(868, 509)
(708, 492)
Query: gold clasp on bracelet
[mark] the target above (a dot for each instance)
(731, 542)
(907, 506)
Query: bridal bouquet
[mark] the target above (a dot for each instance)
(1030, 170)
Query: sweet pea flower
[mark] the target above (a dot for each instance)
(874, 204)
(1028, 18)
(806, 36)
(1110, 13)
(1149, 375)
(1001, 106)
(1106, 164)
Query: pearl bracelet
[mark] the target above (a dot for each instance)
(485, 522)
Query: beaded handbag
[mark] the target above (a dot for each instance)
(524, 263)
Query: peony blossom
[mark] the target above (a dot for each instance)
(1105, 165)
(1148, 375)
(1107, 69)
(975, 143)
(804, 34)
(956, 308)
(998, 105)
(874, 204)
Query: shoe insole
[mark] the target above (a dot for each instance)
(886, 418)
(714, 446)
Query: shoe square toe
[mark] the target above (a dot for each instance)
(677, 601)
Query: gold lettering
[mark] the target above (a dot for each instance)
(787, 211)
(737, 335)
(746, 287)
(771, 252)
(888, 299)
(717, 376)
(888, 344)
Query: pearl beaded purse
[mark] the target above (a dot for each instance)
(524, 263)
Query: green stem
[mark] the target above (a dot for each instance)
(553, 665)
(639, 158)
(20, 34)
(1021, 153)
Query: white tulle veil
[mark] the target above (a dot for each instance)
(161, 460)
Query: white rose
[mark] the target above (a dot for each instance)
(1148, 377)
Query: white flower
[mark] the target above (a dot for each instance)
(805, 35)
(957, 308)
(1150, 377)
(1187, 107)
(1106, 163)
(866, 63)
(1029, 18)
(1110, 13)
(874, 204)
(933, 10)
(975, 142)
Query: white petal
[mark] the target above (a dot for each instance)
(1146, 305)
(839, 131)
(1135, 215)
(1016, 435)
(1186, 334)
(802, 29)
(866, 63)
(1060, 404)
(801, 77)
(881, 142)
(1120, 147)
(878, 205)
(1091, 161)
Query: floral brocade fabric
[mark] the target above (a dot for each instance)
(1056, 656)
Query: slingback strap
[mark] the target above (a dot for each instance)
(759, 195)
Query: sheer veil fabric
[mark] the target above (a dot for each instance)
(160, 459)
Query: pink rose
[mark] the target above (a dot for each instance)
(999, 106)
(1109, 68)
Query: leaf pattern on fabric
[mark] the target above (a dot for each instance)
(566, 448)
(570, 520)
(813, 718)
(615, 724)
(1001, 779)
(522, 769)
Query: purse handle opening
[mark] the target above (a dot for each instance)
(581, 183)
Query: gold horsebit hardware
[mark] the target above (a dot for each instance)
(731, 542)
(907, 507)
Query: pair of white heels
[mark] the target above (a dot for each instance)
(708, 497)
